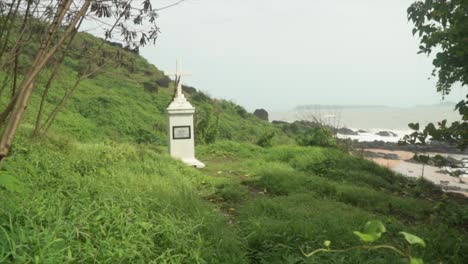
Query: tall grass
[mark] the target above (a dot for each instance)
(103, 202)
(313, 198)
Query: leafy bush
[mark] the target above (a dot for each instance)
(318, 136)
(150, 86)
(164, 82)
(207, 122)
(266, 139)
(241, 111)
(200, 97)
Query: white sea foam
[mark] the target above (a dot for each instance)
(371, 135)
(373, 118)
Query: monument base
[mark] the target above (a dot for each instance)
(194, 163)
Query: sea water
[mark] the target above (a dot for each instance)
(372, 119)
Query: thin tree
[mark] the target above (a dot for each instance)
(53, 24)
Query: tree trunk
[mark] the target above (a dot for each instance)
(58, 65)
(39, 63)
(59, 107)
(10, 18)
(4, 115)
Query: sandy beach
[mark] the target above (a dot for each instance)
(410, 169)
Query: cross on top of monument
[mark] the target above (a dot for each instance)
(178, 75)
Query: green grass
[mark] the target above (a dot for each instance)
(294, 205)
(100, 202)
(100, 188)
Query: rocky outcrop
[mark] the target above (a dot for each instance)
(386, 134)
(346, 131)
(262, 114)
(433, 146)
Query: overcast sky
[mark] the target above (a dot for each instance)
(279, 54)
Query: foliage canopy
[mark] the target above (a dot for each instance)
(442, 26)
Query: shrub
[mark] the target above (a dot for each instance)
(266, 139)
(317, 136)
(241, 111)
(207, 125)
(164, 82)
(150, 87)
(200, 97)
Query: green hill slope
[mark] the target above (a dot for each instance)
(100, 188)
(126, 104)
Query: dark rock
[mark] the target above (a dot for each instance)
(362, 131)
(386, 134)
(278, 122)
(433, 146)
(346, 131)
(262, 114)
(164, 82)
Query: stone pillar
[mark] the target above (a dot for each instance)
(181, 130)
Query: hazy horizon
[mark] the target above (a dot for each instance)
(276, 55)
(442, 103)
(372, 117)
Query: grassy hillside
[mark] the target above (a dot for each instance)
(101, 188)
(126, 104)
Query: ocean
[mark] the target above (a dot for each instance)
(371, 119)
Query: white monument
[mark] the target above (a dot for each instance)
(181, 130)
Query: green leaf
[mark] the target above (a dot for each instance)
(373, 230)
(412, 239)
(414, 126)
(367, 237)
(416, 261)
(374, 227)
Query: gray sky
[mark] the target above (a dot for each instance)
(279, 54)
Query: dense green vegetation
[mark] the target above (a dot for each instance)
(442, 27)
(101, 188)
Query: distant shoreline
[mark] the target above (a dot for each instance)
(347, 106)
(370, 117)
(434, 147)
(399, 161)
